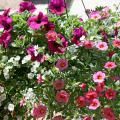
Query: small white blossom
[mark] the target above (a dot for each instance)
(30, 94)
(30, 75)
(17, 58)
(26, 59)
(11, 60)
(34, 69)
(2, 97)
(11, 107)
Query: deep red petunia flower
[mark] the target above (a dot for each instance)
(57, 6)
(110, 94)
(81, 102)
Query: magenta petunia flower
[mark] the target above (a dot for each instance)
(102, 46)
(94, 104)
(57, 6)
(77, 34)
(5, 39)
(27, 6)
(59, 46)
(35, 22)
(62, 64)
(110, 65)
(49, 26)
(39, 111)
(99, 77)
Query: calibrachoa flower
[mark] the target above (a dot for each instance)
(36, 22)
(102, 46)
(27, 6)
(108, 114)
(59, 46)
(77, 34)
(57, 6)
(116, 43)
(94, 104)
(100, 87)
(39, 111)
(58, 84)
(110, 65)
(88, 44)
(5, 39)
(81, 102)
(62, 96)
(87, 118)
(52, 35)
(99, 77)
(110, 54)
(110, 94)
(39, 79)
(62, 64)
(90, 95)
(58, 118)
(95, 15)
(83, 86)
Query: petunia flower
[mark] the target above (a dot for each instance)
(116, 43)
(110, 65)
(36, 22)
(94, 104)
(110, 94)
(102, 46)
(57, 7)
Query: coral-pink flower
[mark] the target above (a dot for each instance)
(39, 111)
(62, 96)
(62, 64)
(99, 77)
(88, 44)
(102, 46)
(110, 65)
(116, 43)
(58, 84)
(52, 35)
(94, 104)
(95, 15)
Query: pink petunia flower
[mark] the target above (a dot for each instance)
(99, 77)
(39, 79)
(58, 84)
(62, 64)
(52, 35)
(39, 111)
(94, 104)
(110, 65)
(62, 96)
(116, 43)
(35, 22)
(102, 46)
(88, 44)
(110, 94)
(27, 6)
(95, 15)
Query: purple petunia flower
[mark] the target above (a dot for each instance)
(35, 22)
(27, 6)
(5, 39)
(77, 34)
(57, 6)
(58, 47)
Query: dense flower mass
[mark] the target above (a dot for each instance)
(59, 67)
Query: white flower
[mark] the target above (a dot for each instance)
(34, 69)
(1, 89)
(4, 58)
(72, 48)
(26, 59)
(30, 75)
(2, 97)
(11, 59)
(11, 107)
(30, 94)
(5, 117)
(15, 63)
(17, 58)
(36, 64)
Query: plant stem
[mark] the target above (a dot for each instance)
(66, 8)
(85, 8)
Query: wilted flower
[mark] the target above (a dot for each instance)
(81, 102)
(27, 6)
(36, 22)
(57, 6)
(62, 64)
(58, 84)
(99, 77)
(58, 118)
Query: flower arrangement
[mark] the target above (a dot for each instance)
(57, 66)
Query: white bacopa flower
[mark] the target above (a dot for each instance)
(2, 97)
(30, 75)
(15, 63)
(17, 58)
(36, 64)
(11, 107)
(1, 89)
(26, 59)
(6, 117)
(11, 60)
(33, 69)
(30, 94)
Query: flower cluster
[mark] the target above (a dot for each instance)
(58, 66)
